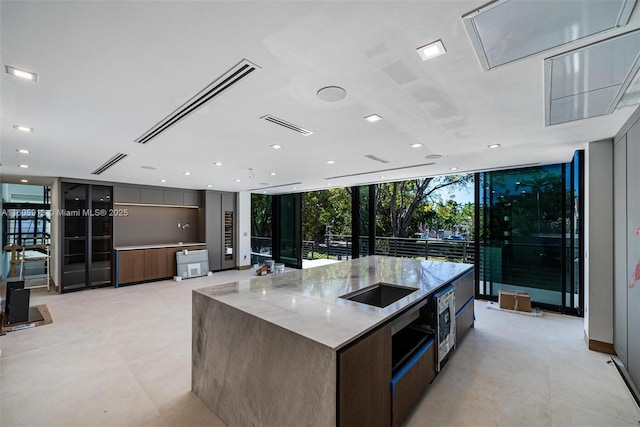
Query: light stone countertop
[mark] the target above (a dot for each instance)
(157, 246)
(307, 301)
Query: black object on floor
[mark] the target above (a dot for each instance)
(17, 307)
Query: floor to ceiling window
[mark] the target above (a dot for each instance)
(529, 233)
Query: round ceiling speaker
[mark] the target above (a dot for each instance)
(332, 93)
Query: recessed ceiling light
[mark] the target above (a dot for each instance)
(332, 93)
(209, 186)
(373, 118)
(23, 128)
(383, 177)
(431, 50)
(187, 173)
(328, 184)
(517, 182)
(433, 156)
(264, 192)
(23, 151)
(294, 188)
(23, 74)
(272, 174)
(24, 166)
(108, 196)
(237, 180)
(102, 200)
(330, 162)
(416, 145)
(24, 180)
(493, 145)
(276, 146)
(453, 169)
(163, 180)
(77, 198)
(218, 163)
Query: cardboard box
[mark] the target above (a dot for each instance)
(510, 300)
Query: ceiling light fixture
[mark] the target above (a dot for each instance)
(209, 186)
(237, 180)
(276, 146)
(493, 145)
(383, 177)
(332, 93)
(373, 118)
(23, 151)
(24, 180)
(330, 162)
(187, 173)
(416, 145)
(163, 180)
(431, 50)
(23, 74)
(24, 166)
(453, 169)
(23, 128)
(294, 188)
(272, 173)
(218, 163)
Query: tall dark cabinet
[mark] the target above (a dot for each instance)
(87, 224)
(219, 229)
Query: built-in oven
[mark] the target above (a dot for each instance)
(445, 324)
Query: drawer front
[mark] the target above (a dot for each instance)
(464, 287)
(464, 320)
(408, 386)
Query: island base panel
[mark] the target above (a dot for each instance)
(251, 372)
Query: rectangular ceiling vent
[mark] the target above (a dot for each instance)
(287, 125)
(229, 79)
(377, 159)
(291, 184)
(381, 170)
(112, 161)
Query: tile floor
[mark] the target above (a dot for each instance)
(122, 357)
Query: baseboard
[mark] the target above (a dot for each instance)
(243, 267)
(599, 346)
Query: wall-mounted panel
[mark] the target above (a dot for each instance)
(620, 329)
(173, 197)
(633, 251)
(126, 194)
(152, 196)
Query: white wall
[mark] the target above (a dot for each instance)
(598, 247)
(244, 229)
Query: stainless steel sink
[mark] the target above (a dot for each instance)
(379, 295)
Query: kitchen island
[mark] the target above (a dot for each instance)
(288, 350)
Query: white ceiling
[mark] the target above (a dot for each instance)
(108, 71)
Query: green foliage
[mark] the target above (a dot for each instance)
(326, 210)
(261, 215)
(404, 208)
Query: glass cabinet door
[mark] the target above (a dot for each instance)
(75, 235)
(101, 235)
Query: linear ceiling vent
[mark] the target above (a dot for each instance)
(377, 159)
(112, 161)
(287, 125)
(229, 79)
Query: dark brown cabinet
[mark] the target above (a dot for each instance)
(141, 265)
(364, 376)
(408, 389)
(130, 266)
(155, 264)
(464, 296)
